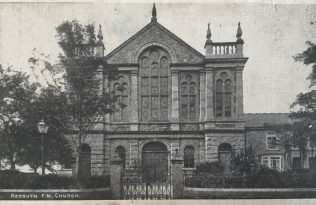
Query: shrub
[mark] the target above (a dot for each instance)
(263, 177)
(52, 181)
(19, 180)
(210, 167)
(95, 181)
(14, 179)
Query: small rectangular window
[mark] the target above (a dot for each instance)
(271, 142)
(275, 163)
(265, 161)
(296, 163)
(312, 162)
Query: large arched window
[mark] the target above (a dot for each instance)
(188, 157)
(154, 85)
(223, 96)
(120, 150)
(188, 99)
(120, 88)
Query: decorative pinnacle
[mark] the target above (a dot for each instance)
(154, 13)
(209, 33)
(100, 36)
(239, 31)
(239, 34)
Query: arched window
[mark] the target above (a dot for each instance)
(223, 96)
(120, 89)
(189, 157)
(120, 150)
(154, 85)
(84, 169)
(188, 99)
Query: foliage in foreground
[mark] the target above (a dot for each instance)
(22, 105)
(19, 180)
(263, 177)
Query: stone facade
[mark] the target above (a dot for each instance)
(174, 95)
(179, 99)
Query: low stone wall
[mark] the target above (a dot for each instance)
(248, 193)
(55, 194)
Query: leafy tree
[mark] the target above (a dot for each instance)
(308, 57)
(50, 105)
(245, 162)
(16, 93)
(286, 138)
(305, 103)
(23, 105)
(88, 99)
(298, 134)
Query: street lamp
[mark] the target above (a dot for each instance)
(42, 128)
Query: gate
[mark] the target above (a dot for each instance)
(153, 179)
(144, 184)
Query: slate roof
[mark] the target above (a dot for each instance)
(259, 119)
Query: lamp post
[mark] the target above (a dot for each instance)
(42, 128)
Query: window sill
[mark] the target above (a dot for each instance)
(188, 168)
(273, 149)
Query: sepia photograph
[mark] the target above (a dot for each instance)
(157, 101)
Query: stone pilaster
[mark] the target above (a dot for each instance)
(202, 150)
(209, 94)
(134, 101)
(239, 94)
(106, 88)
(177, 177)
(133, 153)
(175, 100)
(106, 154)
(211, 148)
(202, 98)
(96, 143)
(175, 146)
(99, 77)
(116, 170)
(239, 49)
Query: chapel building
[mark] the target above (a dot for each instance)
(178, 101)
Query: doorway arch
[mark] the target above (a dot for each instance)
(84, 169)
(121, 152)
(225, 158)
(155, 161)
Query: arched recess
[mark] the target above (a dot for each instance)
(224, 93)
(189, 101)
(188, 157)
(155, 161)
(121, 92)
(225, 158)
(121, 152)
(84, 168)
(154, 85)
(155, 44)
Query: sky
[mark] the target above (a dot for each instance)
(273, 33)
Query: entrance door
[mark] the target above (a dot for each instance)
(155, 162)
(153, 180)
(225, 157)
(85, 161)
